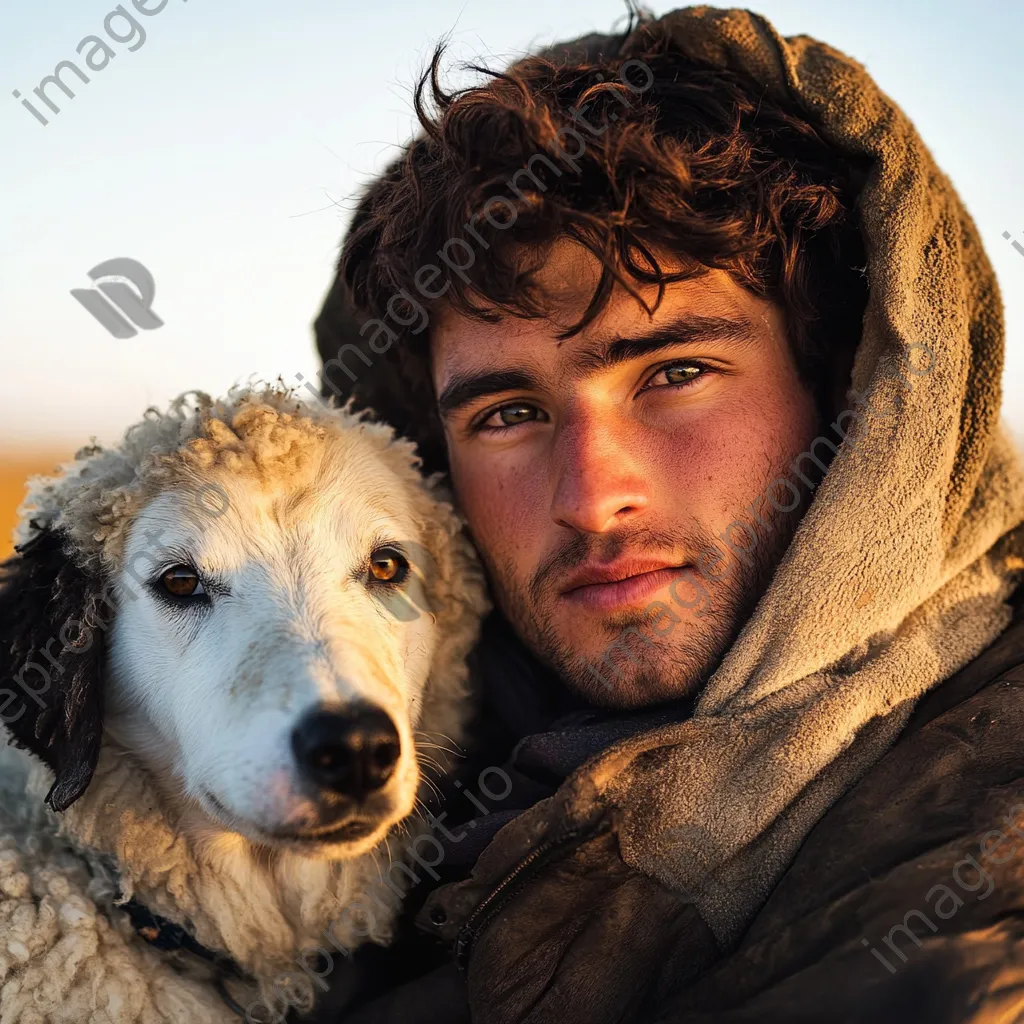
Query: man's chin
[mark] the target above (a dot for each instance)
(633, 691)
(624, 679)
(627, 661)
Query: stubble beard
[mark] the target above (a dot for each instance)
(645, 657)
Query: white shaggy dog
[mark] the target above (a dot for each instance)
(225, 645)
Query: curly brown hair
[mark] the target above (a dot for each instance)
(629, 157)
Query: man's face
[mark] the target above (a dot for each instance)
(617, 483)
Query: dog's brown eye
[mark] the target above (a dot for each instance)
(181, 581)
(387, 565)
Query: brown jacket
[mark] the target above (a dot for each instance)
(905, 902)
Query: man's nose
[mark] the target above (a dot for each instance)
(349, 751)
(598, 483)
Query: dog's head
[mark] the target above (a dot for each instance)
(264, 602)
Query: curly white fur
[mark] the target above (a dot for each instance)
(67, 953)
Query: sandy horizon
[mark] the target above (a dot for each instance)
(15, 469)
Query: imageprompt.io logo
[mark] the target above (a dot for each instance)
(122, 297)
(1014, 242)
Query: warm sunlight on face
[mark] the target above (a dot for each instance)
(599, 473)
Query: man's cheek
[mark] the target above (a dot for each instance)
(503, 509)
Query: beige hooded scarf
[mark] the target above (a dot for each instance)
(899, 572)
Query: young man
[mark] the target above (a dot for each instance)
(711, 352)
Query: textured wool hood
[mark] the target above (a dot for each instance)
(900, 570)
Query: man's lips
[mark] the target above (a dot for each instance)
(617, 584)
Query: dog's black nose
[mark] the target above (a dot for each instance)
(352, 752)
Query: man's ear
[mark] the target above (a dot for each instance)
(51, 662)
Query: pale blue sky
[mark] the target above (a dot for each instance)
(223, 154)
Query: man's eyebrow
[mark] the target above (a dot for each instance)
(684, 329)
(687, 328)
(467, 387)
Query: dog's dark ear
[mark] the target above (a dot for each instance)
(51, 662)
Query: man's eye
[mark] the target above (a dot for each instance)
(182, 581)
(677, 373)
(512, 415)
